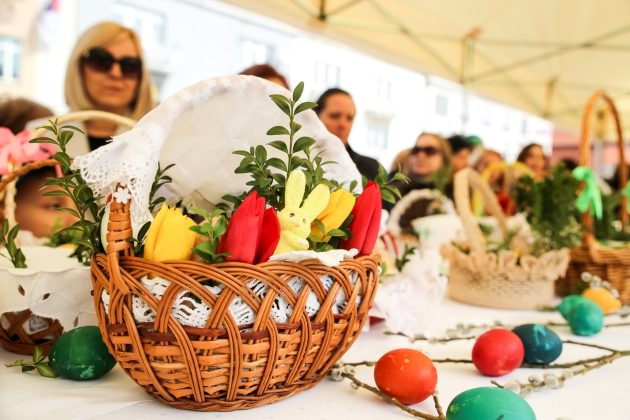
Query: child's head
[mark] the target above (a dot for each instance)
(36, 212)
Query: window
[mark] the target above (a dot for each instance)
(327, 74)
(150, 25)
(377, 133)
(253, 52)
(441, 104)
(10, 59)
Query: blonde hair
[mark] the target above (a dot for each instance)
(97, 36)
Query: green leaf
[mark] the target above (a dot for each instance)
(277, 163)
(46, 140)
(64, 160)
(278, 130)
(303, 143)
(336, 232)
(295, 127)
(280, 145)
(27, 368)
(387, 196)
(305, 106)
(38, 354)
(64, 138)
(297, 92)
(45, 370)
(283, 103)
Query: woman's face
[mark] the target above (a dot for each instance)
(338, 115)
(40, 214)
(535, 159)
(110, 89)
(426, 157)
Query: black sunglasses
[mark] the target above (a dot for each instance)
(429, 150)
(102, 61)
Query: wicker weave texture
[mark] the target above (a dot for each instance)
(612, 265)
(225, 366)
(15, 338)
(506, 280)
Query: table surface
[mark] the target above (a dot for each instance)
(601, 394)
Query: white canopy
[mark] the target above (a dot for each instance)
(545, 57)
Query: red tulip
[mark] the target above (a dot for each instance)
(366, 220)
(252, 233)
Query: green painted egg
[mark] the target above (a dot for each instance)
(586, 318)
(542, 345)
(489, 403)
(567, 305)
(80, 354)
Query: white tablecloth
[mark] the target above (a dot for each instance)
(601, 394)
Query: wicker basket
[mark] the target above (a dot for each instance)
(16, 327)
(612, 265)
(503, 280)
(225, 366)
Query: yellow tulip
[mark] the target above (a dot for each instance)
(169, 237)
(339, 207)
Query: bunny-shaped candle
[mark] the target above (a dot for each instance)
(295, 220)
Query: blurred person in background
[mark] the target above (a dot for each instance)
(335, 108)
(17, 112)
(534, 157)
(461, 149)
(106, 72)
(428, 165)
(38, 215)
(267, 72)
(487, 158)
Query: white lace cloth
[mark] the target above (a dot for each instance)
(330, 258)
(50, 272)
(411, 301)
(197, 129)
(191, 311)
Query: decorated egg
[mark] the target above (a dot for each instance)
(542, 345)
(498, 352)
(603, 298)
(489, 403)
(567, 305)
(586, 318)
(80, 354)
(406, 374)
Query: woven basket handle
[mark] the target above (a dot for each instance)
(118, 232)
(585, 149)
(7, 186)
(91, 115)
(465, 179)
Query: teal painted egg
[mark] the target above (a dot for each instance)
(567, 305)
(586, 318)
(489, 403)
(542, 345)
(80, 354)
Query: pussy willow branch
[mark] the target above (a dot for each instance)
(419, 414)
(467, 329)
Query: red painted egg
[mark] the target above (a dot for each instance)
(406, 374)
(498, 352)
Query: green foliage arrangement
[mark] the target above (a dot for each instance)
(7, 240)
(550, 208)
(85, 232)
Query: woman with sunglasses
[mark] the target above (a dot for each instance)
(428, 165)
(106, 72)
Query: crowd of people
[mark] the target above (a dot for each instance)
(107, 72)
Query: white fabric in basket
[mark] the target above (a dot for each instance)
(198, 129)
(190, 311)
(50, 272)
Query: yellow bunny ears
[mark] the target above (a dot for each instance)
(316, 201)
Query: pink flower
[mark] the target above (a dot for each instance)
(15, 149)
